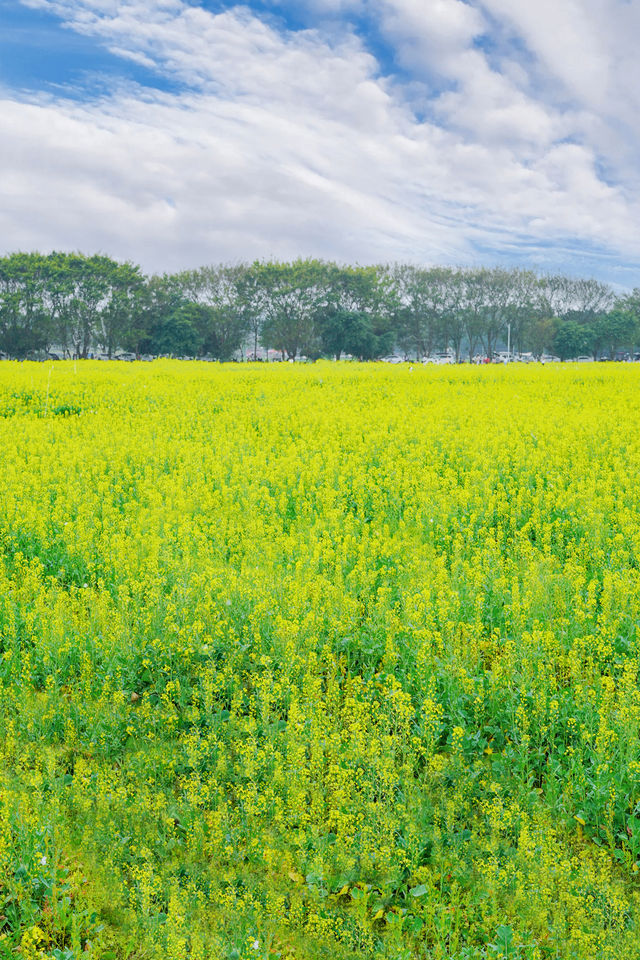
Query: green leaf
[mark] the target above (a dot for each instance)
(418, 891)
(414, 924)
(504, 935)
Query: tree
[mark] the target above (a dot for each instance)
(335, 327)
(224, 321)
(88, 286)
(619, 329)
(570, 340)
(422, 298)
(526, 307)
(90, 300)
(353, 332)
(574, 298)
(497, 298)
(473, 308)
(180, 331)
(595, 331)
(541, 334)
(24, 320)
(251, 302)
(630, 306)
(116, 318)
(293, 294)
(453, 316)
(166, 323)
(353, 314)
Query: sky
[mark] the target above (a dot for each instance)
(178, 133)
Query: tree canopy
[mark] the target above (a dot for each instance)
(79, 306)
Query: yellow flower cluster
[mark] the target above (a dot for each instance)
(319, 661)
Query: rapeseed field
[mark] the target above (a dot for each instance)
(329, 661)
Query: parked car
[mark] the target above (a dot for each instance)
(444, 358)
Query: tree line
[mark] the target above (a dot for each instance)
(83, 305)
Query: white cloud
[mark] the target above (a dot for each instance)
(567, 39)
(430, 34)
(291, 143)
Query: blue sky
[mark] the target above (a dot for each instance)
(179, 133)
(38, 55)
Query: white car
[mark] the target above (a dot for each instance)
(443, 358)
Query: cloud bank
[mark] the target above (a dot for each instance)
(490, 131)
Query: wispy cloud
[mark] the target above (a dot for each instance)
(292, 142)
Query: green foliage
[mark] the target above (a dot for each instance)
(25, 326)
(43, 908)
(319, 662)
(294, 293)
(571, 340)
(74, 301)
(354, 333)
(79, 305)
